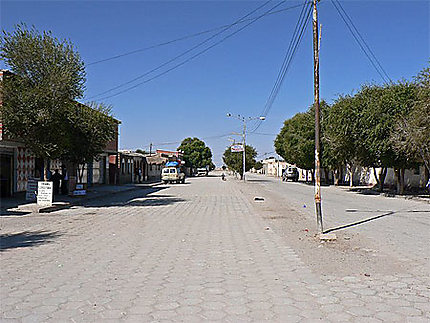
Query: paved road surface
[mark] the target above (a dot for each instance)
(191, 252)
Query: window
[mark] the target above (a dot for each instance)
(173, 170)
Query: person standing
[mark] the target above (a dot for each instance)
(56, 178)
(65, 182)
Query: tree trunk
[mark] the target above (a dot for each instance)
(337, 173)
(382, 176)
(326, 176)
(81, 173)
(376, 176)
(402, 181)
(45, 169)
(397, 174)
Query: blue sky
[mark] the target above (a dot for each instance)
(235, 76)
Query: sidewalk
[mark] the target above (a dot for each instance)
(17, 205)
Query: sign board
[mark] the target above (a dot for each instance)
(31, 192)
(79, 192)
(236, 148)
(44, 193)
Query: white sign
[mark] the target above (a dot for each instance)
(44, 193)
(236, 148)
(31, 193)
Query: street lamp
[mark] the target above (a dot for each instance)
(244, 121)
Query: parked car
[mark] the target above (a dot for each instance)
(172, 175)
(290, 173)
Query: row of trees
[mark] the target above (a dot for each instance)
(39, 99)
(381, 126)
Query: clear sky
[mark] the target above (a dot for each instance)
(237, 75)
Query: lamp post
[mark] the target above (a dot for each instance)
(244, 121)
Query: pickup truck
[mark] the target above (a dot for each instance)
(172, 175)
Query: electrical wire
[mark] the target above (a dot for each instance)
(181, 54)
(140, 50)
(295, 41)
(194, 56)
(357, 36)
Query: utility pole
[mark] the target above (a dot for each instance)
(317, 120)
(150, 149)
(244, 150)
(244, 120)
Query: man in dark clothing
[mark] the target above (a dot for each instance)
(56, 178)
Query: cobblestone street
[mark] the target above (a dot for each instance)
(193, 252)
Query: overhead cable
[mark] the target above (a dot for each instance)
(361, 42)
(140, 50)
(295, 41)
(195, 55)
(183, 53)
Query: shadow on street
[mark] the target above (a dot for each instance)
(13, 213)
(144, 197)
(359, 222)
(26, 239)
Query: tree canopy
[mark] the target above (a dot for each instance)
(380, 126)
(234, 160)
(48, 75)
(196, 153)
(39, 99)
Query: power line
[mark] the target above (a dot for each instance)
(178, 142)
(350, 24)
(291, 51)
(194, 56)
(183, 53)
(263, 134)
(180, 38)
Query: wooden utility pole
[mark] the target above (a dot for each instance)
(244, 149)
(317, 120)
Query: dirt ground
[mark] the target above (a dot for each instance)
(351, 254)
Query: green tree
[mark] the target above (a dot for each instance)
(141, 151)
(196, 153)
(234, 160)
(340, 135)
(380, 109)
(411, 136)
(258, 165)
(48, 74)
(295, 143)
(89, 128)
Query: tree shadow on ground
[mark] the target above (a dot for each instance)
(13, 212)
(258, 181)
(389, 192)
(144, 197)
(26, 239)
